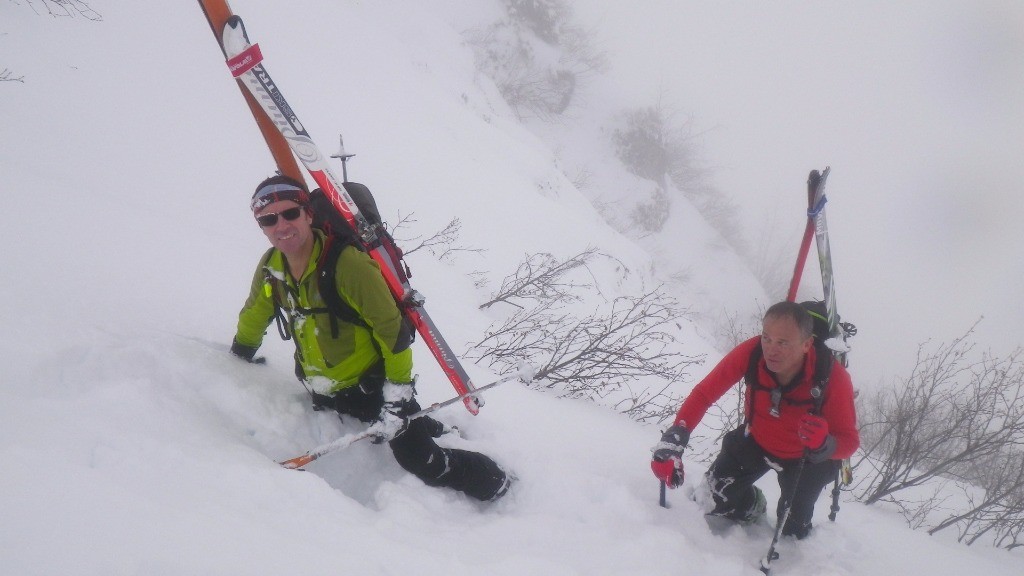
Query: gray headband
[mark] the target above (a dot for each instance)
(275, 192)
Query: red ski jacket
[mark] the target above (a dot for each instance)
(777, 434)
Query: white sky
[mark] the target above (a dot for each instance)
(917, 106)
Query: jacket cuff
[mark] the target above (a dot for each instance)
(242, 351)
(677, 434)
(824, 452)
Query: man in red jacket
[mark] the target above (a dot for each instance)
(791, 414)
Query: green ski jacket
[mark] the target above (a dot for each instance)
(330, 363)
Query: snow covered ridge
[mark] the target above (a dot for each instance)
(136, 445)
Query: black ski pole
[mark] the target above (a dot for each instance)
(834, 509)
(343, 156)
(661, 499)
(766, 562)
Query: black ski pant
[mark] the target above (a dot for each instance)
(415, 450)
(742, 462)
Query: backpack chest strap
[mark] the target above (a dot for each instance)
(822, 369)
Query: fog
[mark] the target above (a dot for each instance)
(916, 106)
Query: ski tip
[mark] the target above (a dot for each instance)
(235, 22)
(233, 38)
(235, 29)
(817, 177)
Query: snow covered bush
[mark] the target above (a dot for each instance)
(652, 144)
(536, 57)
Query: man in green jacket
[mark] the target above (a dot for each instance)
(362, 367)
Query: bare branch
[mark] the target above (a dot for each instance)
(542, 277)
(65, 9)
(598, 354)
(6, 76)
(442, 244)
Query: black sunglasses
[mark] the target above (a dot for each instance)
(268, 220)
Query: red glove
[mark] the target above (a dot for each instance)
(669, 471)
(813, 431)
(667, 463)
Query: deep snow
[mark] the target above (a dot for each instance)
(134, 444)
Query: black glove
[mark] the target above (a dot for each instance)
(399, 404)
(667, 462)
(247, 353)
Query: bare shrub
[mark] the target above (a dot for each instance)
(650, 215)
(543, 278)
(7, 76)
(536, 57)
(647, 142)
(958, 418)
(442, 244)
(993, 504)
(597, 354)
(55, 9)
(63, 8)
(653, 144)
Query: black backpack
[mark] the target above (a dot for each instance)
(819, 312)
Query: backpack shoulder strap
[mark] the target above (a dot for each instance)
(753, 385)
(751, 375)
(326, 268)
(823, 359)
(274, 287)
(822, 370)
